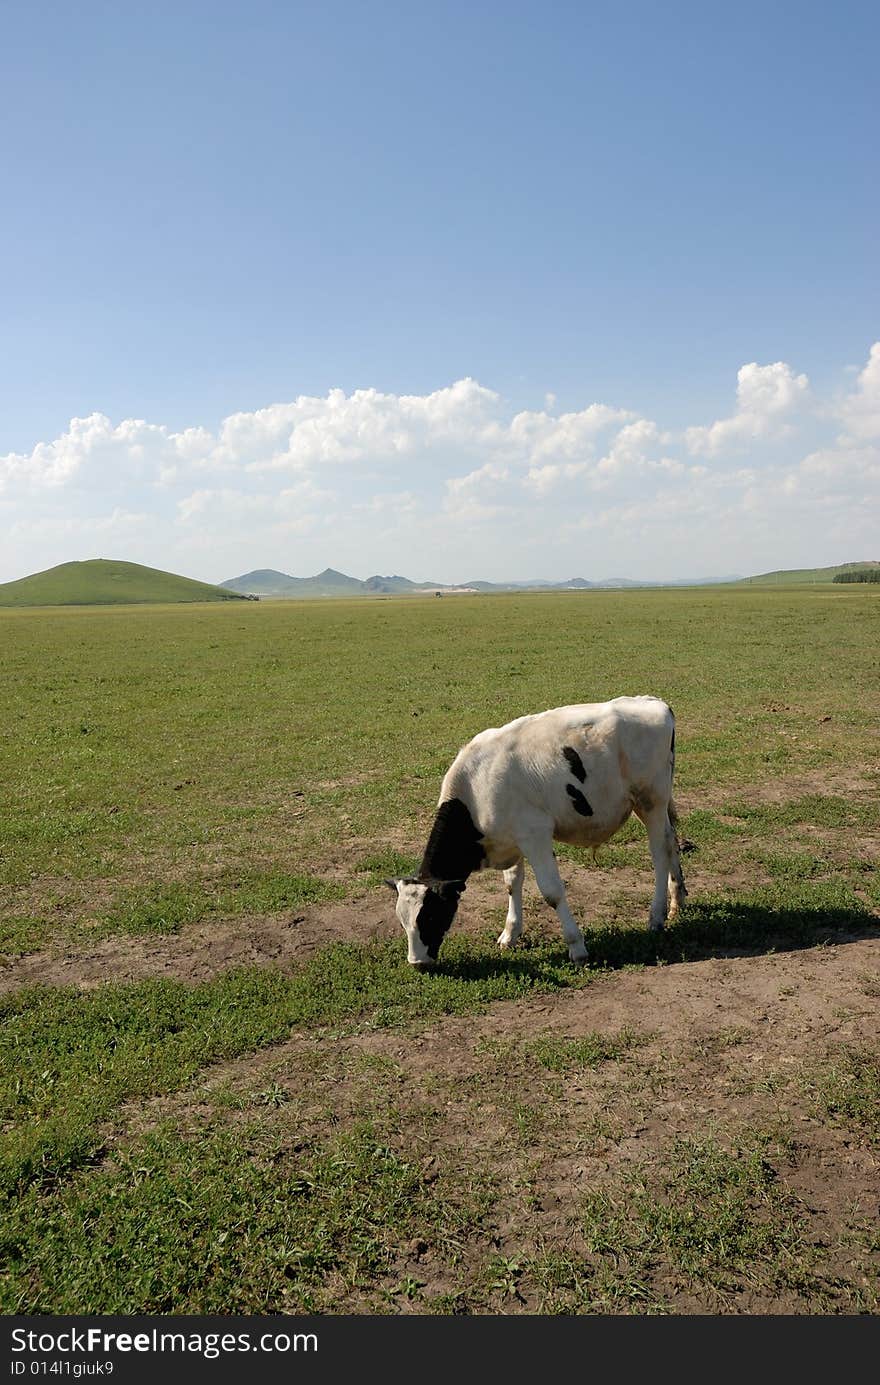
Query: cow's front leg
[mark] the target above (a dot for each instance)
(513, 879)
(543, 863)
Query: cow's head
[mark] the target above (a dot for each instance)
(426, 909)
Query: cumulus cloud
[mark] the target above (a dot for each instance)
(766, 396)
(454, 481)
(366, 424)
(482, 495)
(860, 412)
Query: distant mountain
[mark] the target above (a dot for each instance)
(390, 585)
(532, 584)
(333, 583)
(266, 582)
(337, 581)
(102, 582)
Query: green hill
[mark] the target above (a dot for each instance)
(101, 582)
(791, 576)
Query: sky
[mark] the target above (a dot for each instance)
(456, 290)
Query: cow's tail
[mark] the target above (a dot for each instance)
(672, 809)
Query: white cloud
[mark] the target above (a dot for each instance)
(390, 504)
(455, 483)
(860, 412)
(351, 428)
(629, 453)
(482, 495)
(766, 395)
(117, 526)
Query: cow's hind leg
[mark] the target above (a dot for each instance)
(676, 893)
(543, 863)
(669, 888)
(513, 879)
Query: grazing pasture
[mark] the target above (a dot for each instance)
(222, 1089)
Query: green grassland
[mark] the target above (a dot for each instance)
(792, 577)
(166, 767)
(104, 582)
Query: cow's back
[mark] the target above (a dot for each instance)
(581, 766)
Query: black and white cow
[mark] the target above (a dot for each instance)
(573, 774)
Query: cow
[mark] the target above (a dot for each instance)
(570, 774)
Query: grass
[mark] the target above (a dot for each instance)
(847, 1093)
(162, 908)
(819, 810)
(566, 1055)
(169, 766)
(70, 1057)
(134, 741)
(713, 1220)
(802, 575)
(242, 1221)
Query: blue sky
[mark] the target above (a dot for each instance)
(211, 210)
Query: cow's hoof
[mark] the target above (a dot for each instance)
(580, 960)
(657, 927)
(506, 943)
(421, 966)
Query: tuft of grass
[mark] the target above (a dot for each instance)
(269, 892)
(68, 1058)
(794, 865)
(387, 865)
(707, 828)
(818, 810)
(847, 1092)
(156, 908)
(567, 1055)
(21, 935)
(168, 908)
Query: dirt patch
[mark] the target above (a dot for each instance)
(836, 782)
(202, 950)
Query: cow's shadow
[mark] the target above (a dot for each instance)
(703, 930)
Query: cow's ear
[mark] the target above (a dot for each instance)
(393, 885)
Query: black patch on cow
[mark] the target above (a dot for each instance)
(436, 914)
(579, 803)
(575, 764)
(455, 845)
(672, 743)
